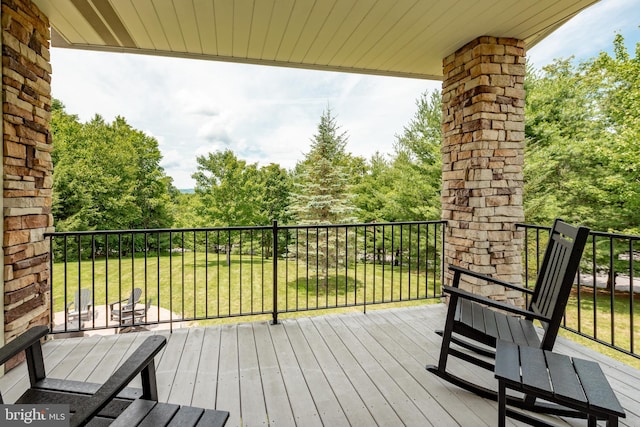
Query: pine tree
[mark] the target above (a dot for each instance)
(322, 197)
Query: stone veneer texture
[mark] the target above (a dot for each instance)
(27, 165)
(483, 156)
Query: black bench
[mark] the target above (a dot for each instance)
(571, 382)
(104, 404)
(154, 414)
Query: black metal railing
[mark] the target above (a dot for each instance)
(203, 274)
(197, 275)
(601, 306)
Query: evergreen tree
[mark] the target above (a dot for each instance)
(322, 196)
(322, 185)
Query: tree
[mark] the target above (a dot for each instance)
(106, 175)
(229, 190)
(229, 193)
(582, 128)
(277, 187)
(418, 162)
(618, 102)
(322, 196)
(322, 187)
(407, 187)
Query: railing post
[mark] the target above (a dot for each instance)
(274, 257)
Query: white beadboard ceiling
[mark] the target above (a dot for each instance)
(386, 37)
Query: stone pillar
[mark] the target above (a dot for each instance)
(483, 156)
(27, 166)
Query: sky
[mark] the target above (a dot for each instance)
(269, 114)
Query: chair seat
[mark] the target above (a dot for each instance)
(487, 325)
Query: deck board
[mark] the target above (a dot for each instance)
(228, 396)
(182, 391)
(205, 388)
(412, 356)
(351, 403)
(254, 411)
(341, 369)
(302, 404)
(399, 399)
(326, 402)
(279, 411)
(376, 403)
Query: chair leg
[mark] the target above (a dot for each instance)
(446, 335)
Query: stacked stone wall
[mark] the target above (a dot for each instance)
(483, 156)
(27, 165)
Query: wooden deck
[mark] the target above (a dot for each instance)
(343, 369)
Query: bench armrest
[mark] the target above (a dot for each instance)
(140, 362)
(464, 271)
(493, 303)
(22, 342)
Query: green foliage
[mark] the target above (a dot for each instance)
(322, 195)
(228, 191)
(407, 187)
(322, 185)
(582, 128)
(106, 175)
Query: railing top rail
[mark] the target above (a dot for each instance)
(368, 224)
(593, 233)
(231, 228)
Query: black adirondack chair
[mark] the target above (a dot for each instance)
(471, 318)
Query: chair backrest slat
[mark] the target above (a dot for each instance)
(134, 297)
(556, 276)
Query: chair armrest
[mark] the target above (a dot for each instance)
(22, 342)
(493, 303)
(461, 270)
(111, 304)
(141, 360)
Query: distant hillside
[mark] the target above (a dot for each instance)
(186, 190)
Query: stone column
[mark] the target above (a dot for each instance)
(483, 156)
(27, 166)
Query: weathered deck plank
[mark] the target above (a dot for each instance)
(182, 391)
(279, 409)
(205, 389)
(341, 369)
(254, 411)
(411, 355)
(300, 399)
(228, 395)
(397, 398)
(376, 403)
(347, 395)
(324, 398)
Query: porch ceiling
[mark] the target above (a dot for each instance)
(397, 38)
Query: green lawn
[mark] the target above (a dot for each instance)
(620, 317)
(201, 285)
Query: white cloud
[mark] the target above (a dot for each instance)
(590, 32)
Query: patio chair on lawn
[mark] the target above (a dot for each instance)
(81, 306)
(124, 309)
(471, 316)
(135, 315)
